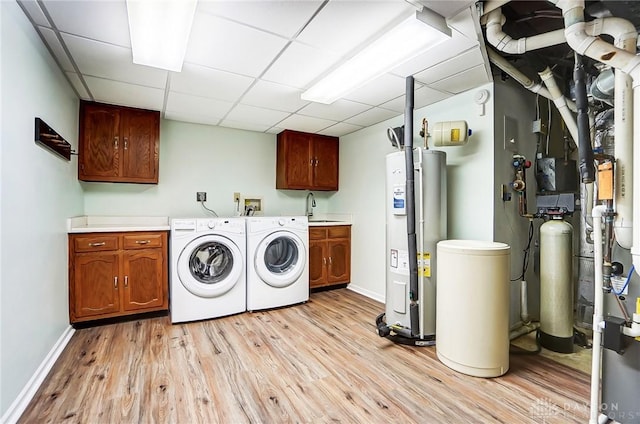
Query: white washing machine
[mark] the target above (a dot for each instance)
(208, 268)
(277, 261)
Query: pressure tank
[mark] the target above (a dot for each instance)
(472, 323)
(556, 286)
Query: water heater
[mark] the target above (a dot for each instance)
(431, 227)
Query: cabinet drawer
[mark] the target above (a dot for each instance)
(340, 231)
(142, 241)
(317, 233)
(95, 243)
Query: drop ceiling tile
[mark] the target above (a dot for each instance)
(77, 84)
(299, 65)
(337, 111)
(305, 123)
(56, 47)
(87, 19)
(112, 62)
(228, 46)
(244, 125)
(185, 104)
(115, 92)
(191, 117)
(256, 115)
(463, 81)
(352, 23)
(465, 60)
(426, 96)
(35, 12)
(275, 130)
(378, 91)
(206, 82)
(340, 129)
(280, 17)
(396, 105)
(466, 23)
(274, 96)
(372, 116)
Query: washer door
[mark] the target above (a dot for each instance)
(210, 266)
(280, 258)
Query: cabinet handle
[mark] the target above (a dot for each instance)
(311, 161)
(115, 142)
(330, 261)
(324, 261)
(126, 142)
(115, 282)
(143, 241)
(97, 244)
(126, 281)
(316, 162)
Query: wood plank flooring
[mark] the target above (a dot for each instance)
(312, 363)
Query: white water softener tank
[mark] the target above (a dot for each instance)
(472, 323)
(556, 286)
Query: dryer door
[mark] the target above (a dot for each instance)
(209, 266)
(280, 258)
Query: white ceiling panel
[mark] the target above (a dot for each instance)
(337, 111)
(299, 65)
(464, 22)
(185, 104)
(305, 123)
(58, 51)
(124, 94)
(87, 18)
(285, 18)
(372, 116)
(463, 81)
(112, 62)
(425, 96)
(340, 129)
(228, 46)
(342, 26)
(274, 96)
(452, 66)
(379, 91)
(194, 118)
(206, 82)
(77, 84)
(35, 12)
(244, 125)
(256, 115)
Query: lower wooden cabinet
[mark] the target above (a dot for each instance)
(329, 255)
(115, 274)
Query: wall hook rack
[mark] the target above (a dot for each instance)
(47, 137)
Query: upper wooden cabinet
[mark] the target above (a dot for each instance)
(118, 144)
(307, 161)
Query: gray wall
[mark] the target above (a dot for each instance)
(39, 191)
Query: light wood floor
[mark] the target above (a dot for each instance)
(317, 362)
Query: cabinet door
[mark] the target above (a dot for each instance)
(317, 263)
(294, 161)
(143, 279)
(339, 266)
(325, 161)
(95, 285)
(100, 143)
(140, 145)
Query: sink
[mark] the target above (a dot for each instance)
(323, 220)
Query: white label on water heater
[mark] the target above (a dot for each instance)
(399, 258)
(399, 199)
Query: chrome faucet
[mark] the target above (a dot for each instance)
(311, 205)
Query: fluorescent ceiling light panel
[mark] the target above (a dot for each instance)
(160, 31)
(402, 43)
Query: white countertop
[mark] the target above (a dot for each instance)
(327, 219)
(108, 224)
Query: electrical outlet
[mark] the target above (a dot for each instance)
(201, 196)
(236, 196)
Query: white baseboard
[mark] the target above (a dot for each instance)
(365, 292)
(18, 406)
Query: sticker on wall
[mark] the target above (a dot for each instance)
(424, 264)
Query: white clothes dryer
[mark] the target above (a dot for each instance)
(277, 261)
(208, 268)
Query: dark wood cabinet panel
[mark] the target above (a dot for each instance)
(115, 274)
(306, 161)
(329, 255)
(118, 144)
